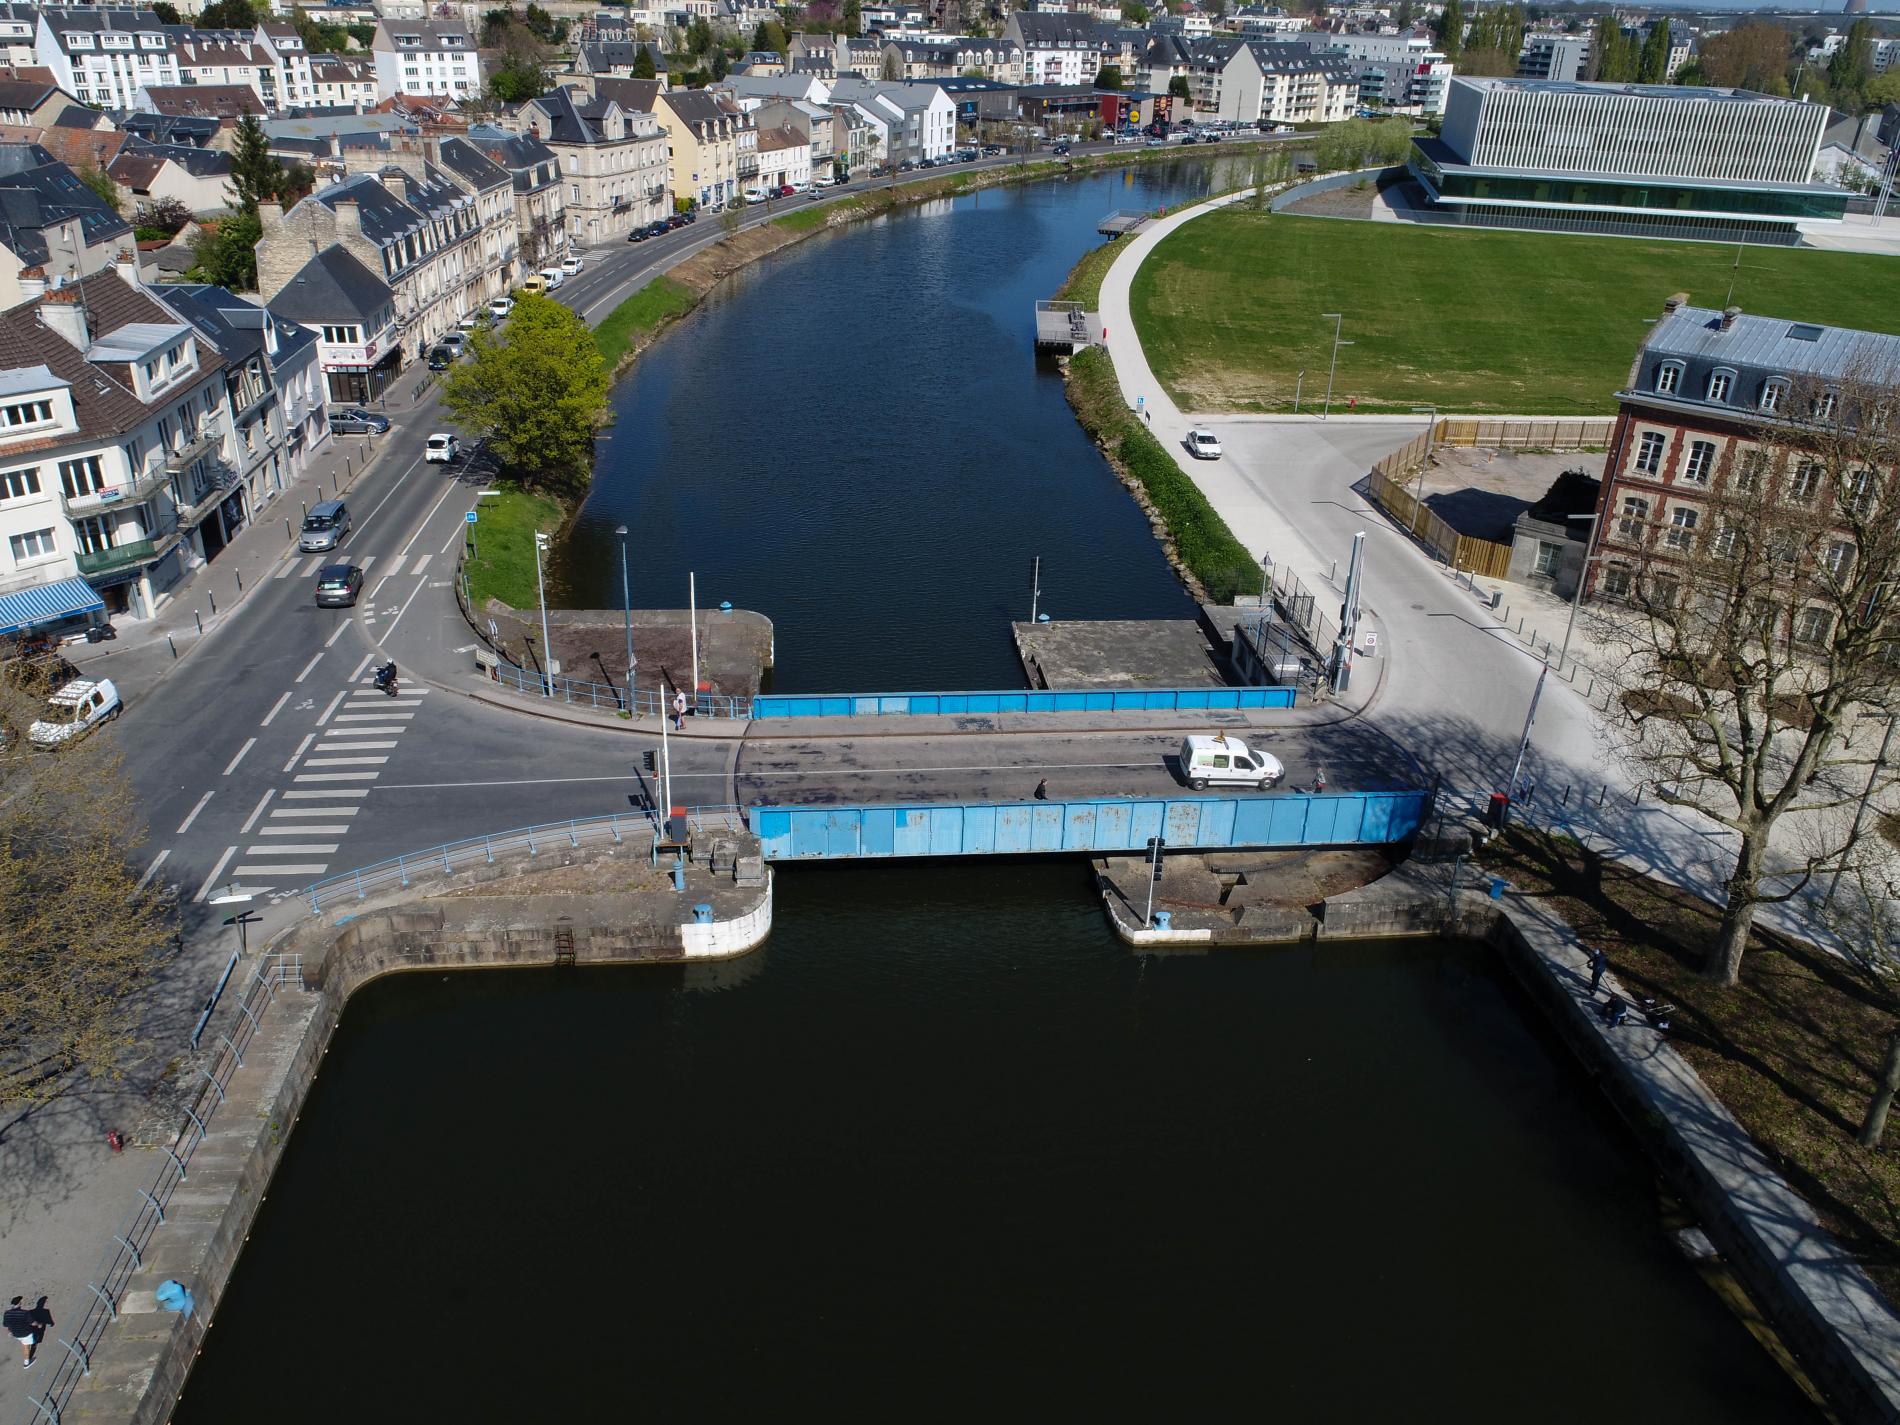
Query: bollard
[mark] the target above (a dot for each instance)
(200, 622)
(1520, 625)
(1164, 919)
(212, 599)
(174, 647)
(286, 526)
(679, 873)
(702, 914)
(240, 579)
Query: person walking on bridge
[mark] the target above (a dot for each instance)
(679, 710)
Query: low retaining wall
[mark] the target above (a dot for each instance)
(1825, 1307)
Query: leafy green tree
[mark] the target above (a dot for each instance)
(164, 217)
(227, 253)
(643, 66)
(1403, 16)
(255, 174)
(1882, 90)
(167, 12)
(853, 18)
(1109, 76)
(1178, 87)
(1752, 56)
(721, 65)
(519, 77)
(1451, 28)
(1652, 65)
(699, 36)
(536, 390)
(1853, 62)
(1135, 13)
(97, 179)
(759, 41)
(1612, 53)
(540, 22)
(231, 15)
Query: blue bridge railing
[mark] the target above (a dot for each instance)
(1028, 701)
(610, 697)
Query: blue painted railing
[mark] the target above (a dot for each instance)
(1037, 701)
(793, 833)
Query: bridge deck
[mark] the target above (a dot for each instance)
(1122, 222)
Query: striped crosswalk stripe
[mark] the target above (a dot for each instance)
(315, 811)
(304, 829)
(306, 848)
(316, 868)
(335, 777)
(344, 761)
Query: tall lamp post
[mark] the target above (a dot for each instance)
(541, 588)
(1333, 370)
(1431, 429)
(626, 603)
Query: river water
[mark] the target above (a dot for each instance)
(855, 439)
(945, 1148)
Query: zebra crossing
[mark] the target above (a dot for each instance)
(387, 569)
(297, 829)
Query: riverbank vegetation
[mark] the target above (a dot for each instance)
(1794, 1050)
(643, 316)
(1228, 308)
(502, 563)
(535, 391)
(1199, 540)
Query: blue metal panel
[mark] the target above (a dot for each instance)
(946, 831)
(879, 835)
(1056, 700)
(1014, 831)
(1217, 823)
(1046, 832)
(1289, 821)
(979, 829)
(842, 828)
(1183, 823)
(1111, 825)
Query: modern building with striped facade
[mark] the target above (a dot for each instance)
(1642, 159)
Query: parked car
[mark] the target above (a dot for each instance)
(572, 265)
(358, 422)
(679, 220)
(640, 234)
(907, 165)
(441, 449)
(338, 585)
(536, 283)
(441, 358)
(475, 321)
(1228, 761)
(1156, 143)
(74, 711)
(1127, 138)
(324, 527)
(1203, 444)
(501, 307)
(966, 155)
(553, 277)
(457, 340)
(657, 229)
(992, 150)
(1210, 138)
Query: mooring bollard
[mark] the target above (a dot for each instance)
(212, 599)
(174, 647)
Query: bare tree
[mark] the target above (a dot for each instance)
(1865, 919)
(78, 935)
(1757, 623)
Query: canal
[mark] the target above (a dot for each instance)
(946, 1149)
(855, 439)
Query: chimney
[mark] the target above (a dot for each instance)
(1729, 314)
(32, 283)
(1675, 303)
(126, 264)
(61, 312)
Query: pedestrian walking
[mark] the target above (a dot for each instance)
(1149, 417)
(1319, 782)
(1042, 790)
(1598, 964)
(23, 1328)
(679, 710)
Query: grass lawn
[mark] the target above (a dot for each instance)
(503, 566)
(659, 301)
(1792, 1051)
(1084, 282)
(1229, 307)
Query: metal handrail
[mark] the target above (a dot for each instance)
(443, 860)
(647, 702)
(106, 1288)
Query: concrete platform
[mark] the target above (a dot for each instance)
(1118, 653)
(735, 648)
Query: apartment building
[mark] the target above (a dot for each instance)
(997, 59)
(228, 58)
(540, 197)
(708, 137)
(342, 81)
(919, 119)
(50, 223)
(424, 58)
(350, 313)
(1716, 403)
(1551, 56)
(613, 161)
(290, 63)
(104, 54)
(1056, 49)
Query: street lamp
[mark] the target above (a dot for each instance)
(1431, 429)
(541, 588)
(626, 602)
(1338, 322)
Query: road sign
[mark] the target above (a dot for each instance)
(471, 517)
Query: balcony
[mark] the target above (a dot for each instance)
(110, 497)
(207, 441)
(209, 497)
(120, 556)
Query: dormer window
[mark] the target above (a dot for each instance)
(79, 41)
(1669, 378)
(23, 415)
(1721, 383)
(1822, 407)
(1774, 393)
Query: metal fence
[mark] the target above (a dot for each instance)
(609, 697)
(125, 1257)
(1466, 552)
(641, 827)
(1299, 607)
(1032, 701)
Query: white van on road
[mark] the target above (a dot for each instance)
(74, 711)
(1227, 761)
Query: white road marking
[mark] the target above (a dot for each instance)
(327, 711)
(332, 743)
(368, 689)
(314, 811)
(251, 820)
(344, 761)
(308, 848)
(304, 829)
(357, 671)
(152, 870)
(310, 665)
(338, 634)
(461, 533)
(312, 869)
(395, 568)
(308, 738)
(421, 560)
(403, 610)
(371, 558)
(423, 523)
(379, 730)
(330, 795)
(231, 766)
(276, 708)
(373, 717)
(335, 777)
(385, 500)
(185, 825)
(216, 871)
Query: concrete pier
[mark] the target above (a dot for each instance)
(1118, 653)
(1065, 327)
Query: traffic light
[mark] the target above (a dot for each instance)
(650, 760)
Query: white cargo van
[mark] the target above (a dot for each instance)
(74, 711)
(1227, 761)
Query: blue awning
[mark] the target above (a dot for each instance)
(49, 603)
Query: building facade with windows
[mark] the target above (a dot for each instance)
(103, 55)
(1641, 159)
(351, 314)
(613, 161)
(1709, 410)
(425, 57)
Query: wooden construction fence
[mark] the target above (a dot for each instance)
(1461, 551)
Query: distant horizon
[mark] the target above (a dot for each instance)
(1835, 7)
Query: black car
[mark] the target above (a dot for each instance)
(358, 422)
(639, 234)
(658, 229)
(338, 585)
(678, 220)
(441, 358)
(907, 165)
(1061, 150)
(992, 150)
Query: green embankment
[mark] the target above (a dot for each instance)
(502, 566)
(1229, 310)
(655, 304)
(1203, 543)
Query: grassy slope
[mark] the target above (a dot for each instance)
(1534, 323)
(660, 300)
(503, 568)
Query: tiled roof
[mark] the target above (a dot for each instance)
(331, 285)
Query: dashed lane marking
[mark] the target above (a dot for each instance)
(308, 738)
(152, 870)
(216, 871)
(231, 766)
(308, 667)
(276, 708)
(334, 703)
(251, 820)
(185, 825)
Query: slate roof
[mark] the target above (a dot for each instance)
(633, 95)
(520, 154)
(57, 193)
(223, 101)
(385, 217)
(101, 393)
(1041, 30)
(332, 286)
(235, 326)
(1756, 348)
(24, 94)
(475, 168)
(197, 130)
